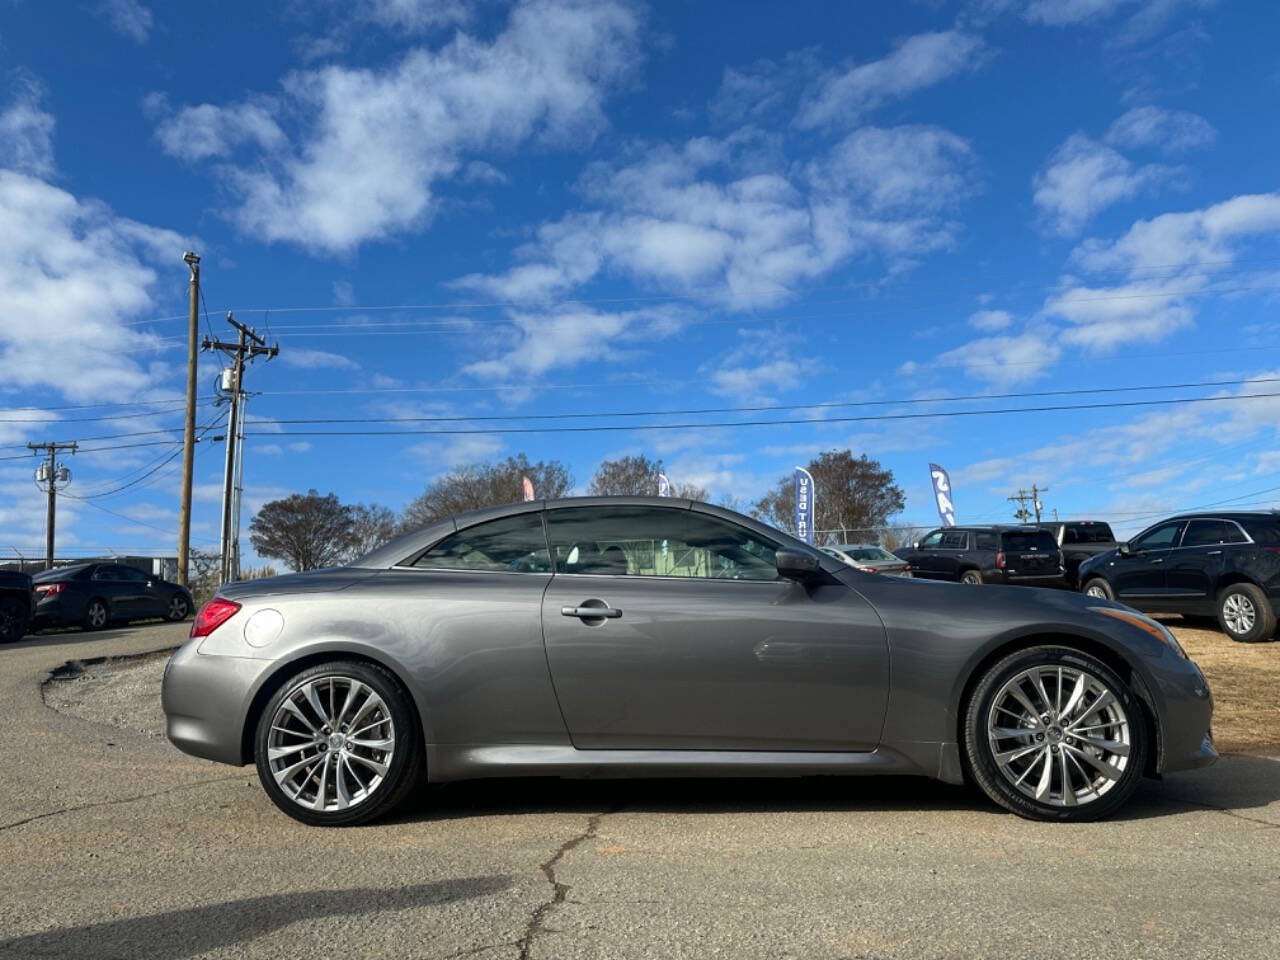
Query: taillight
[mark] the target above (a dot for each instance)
(871, 569)
(49, 589)
(213, 615)
(1000, 560)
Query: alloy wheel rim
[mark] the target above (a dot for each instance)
(97, 614)
(1096, 591)
(177, 608)
(1239, 614)
(1059, 735)
(331, 743)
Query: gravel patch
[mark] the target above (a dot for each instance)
(122, 692)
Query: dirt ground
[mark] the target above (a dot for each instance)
(1245, 680)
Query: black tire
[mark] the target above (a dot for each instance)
(172, 612)
(403, 772)
(1100, 585)
(93, 620)
(971, 577)
(15, 620)
(979, 753)
(1246, 597)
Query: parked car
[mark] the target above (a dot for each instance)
(1079, 540)
(17, 605)
(1220, 565)
(869, 558)
(1024, 555)
(92, 595)
(662, 637)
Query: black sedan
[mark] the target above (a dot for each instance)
(92, 595)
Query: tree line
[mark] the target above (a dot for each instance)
(307, 530)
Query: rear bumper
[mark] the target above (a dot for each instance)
(206, 700)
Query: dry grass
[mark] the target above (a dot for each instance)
(1245, 680)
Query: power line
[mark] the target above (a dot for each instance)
(608, 428)
(112, 449)
(157, 466)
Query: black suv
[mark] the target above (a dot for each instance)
(1079, 540)
(996, 554)
(1223, 565)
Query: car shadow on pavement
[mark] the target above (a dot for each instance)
(77, 635)
(1239, 782)
(175, 934)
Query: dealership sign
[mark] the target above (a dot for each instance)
(804, 505)
(942, 494)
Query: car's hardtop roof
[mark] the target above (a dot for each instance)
(1226, 515)
(58, 573)
(398, 549)
(855, 546)
(999, 527)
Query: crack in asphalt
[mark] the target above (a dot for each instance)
(1223, 810)
(112, 803)
(538, 919)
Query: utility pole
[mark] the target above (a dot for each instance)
(248, 346)
(53, 473)
(1022, 499)
(192, 260)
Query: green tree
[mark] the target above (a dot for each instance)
(852, 495)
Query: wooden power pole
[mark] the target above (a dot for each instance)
(189, 428)
(247, 346)
(52, 473)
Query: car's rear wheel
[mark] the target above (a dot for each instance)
(1245, 614)
(971, 577)
(338, 744)
(178, 608)
(1053, 733)
(1099, 589)
(96, 614)
(15, 620)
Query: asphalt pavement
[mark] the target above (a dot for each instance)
(115, 845)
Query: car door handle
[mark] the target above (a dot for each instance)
(1158, 560)
(1215, 553)
(591, 613)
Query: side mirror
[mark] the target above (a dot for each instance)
(915, 544)
(1124, 549)
(795, 565)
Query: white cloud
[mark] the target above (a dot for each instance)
(1172, 131)
(1007, 359)
(690, 220)
(26, 131)
(413, 16)
(917, 62)
(199, 133)
(445, 454)
(129, 18)
(316, 359)
(761, 365)
(1083, 177)
(1147, 19)
(344, 294)
(570, 336)
(991, 320)
(374, 143)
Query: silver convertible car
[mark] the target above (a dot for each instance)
(628, 636)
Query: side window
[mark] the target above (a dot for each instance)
(511, 544)
(1233, 533)
(1158, 538)
(1265, 532)
(1071, 535)
(932, 541)
(657, 542)
(132, 574)
(955, 540)
(107, 572)
(1203, 533)
(986, 540)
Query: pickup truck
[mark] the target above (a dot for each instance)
(1079, 540)
(17, 605)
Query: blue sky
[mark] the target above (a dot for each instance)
(456, 208)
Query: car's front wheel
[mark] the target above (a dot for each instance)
(1053, 733)
(1099, 589)
(1245, 613)
(971, 577)
(178, 608)
(338, 744)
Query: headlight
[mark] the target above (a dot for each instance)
(1145, 624)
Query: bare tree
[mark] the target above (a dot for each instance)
(306, 531)
(853, 497)
(372, 525)
(486, 485)
(637, 476)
